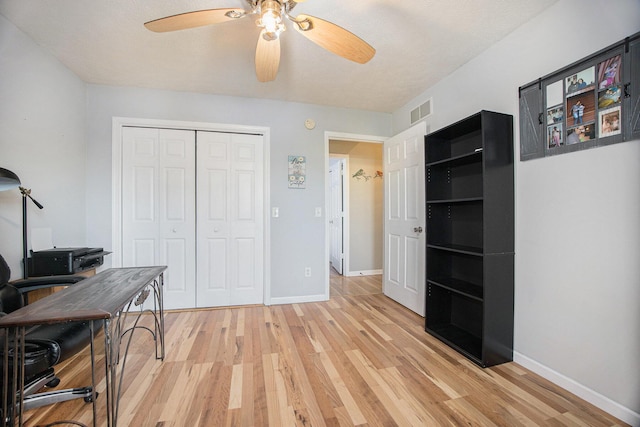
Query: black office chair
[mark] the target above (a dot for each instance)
(45, 345)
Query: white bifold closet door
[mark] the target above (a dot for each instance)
(193, 200)
(158, 207)
(230, 219)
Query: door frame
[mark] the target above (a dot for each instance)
(116, 179)
(338, 136)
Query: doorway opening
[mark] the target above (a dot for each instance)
(354, 203)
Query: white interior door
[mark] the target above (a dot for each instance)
(404, 218)
(158, 207)
(230, 219)
(336, 213)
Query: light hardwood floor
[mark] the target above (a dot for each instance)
(359, 359)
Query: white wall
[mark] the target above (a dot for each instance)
(297, 236)
(42, 118)
(577, 284)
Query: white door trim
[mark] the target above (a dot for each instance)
(341, 136)
(116, 179)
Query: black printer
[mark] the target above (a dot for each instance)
(56, 261)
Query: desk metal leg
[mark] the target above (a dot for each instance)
(109, 364)
(115, 332)
(13, 400)
(7, 405)
(158, 314)
(94, 393)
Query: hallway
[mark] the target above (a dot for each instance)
(355, 285)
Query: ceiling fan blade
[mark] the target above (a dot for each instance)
(267, 58)
(334, 38)
(195, 19)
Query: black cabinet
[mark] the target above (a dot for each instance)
(470, 236)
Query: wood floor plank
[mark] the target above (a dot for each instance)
(386, 397)
(359, 359)
(348, 402)
(469, 412)
(291, 367)
(409, 399)
(365, 397)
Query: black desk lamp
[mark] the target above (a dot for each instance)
(8, 181)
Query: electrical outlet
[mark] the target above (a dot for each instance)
(307, 272)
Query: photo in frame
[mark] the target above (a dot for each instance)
(555, 115)
(581, 82)
(609, 96)
(609, 72)
(609, 122)
(581, 109)
(555, 136)
(582, 133)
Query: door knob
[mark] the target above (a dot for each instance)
(417, 229)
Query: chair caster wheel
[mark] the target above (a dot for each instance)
(53, 383)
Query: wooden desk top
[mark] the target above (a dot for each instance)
(97, 297)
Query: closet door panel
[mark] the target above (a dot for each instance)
(230, 219)
(158, 207)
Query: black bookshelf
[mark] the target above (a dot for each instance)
(470, 236)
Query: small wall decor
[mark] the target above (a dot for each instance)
(361, 174)
(297, 171)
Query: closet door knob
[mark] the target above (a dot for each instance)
(417, 229)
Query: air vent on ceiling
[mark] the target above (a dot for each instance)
(421, 112)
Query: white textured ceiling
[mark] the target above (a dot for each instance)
(418, 42)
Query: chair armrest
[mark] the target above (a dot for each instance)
(33, 283)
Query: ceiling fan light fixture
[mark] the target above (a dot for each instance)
(271, 19)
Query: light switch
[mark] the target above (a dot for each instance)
(318, 212)
(275, 212)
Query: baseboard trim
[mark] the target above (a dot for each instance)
(298, 299)
(614, 408)
(363, 273)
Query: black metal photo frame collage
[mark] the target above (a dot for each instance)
(587, 104)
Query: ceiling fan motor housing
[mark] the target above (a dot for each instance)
(271, 19)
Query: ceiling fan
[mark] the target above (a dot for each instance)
(271, 13)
